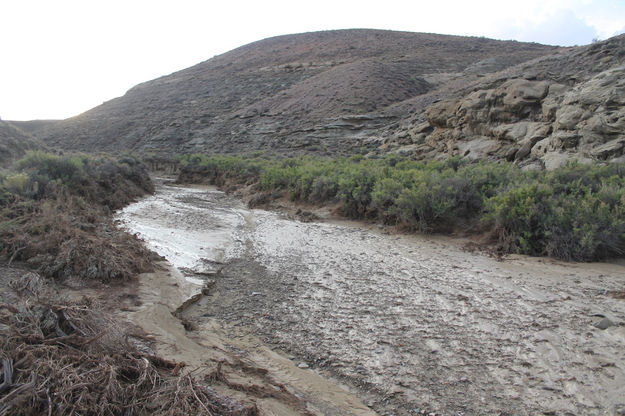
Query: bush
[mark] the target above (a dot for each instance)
(45, 167)
(384, 199)
(56, 215)
(575, 212)
(568, 217)
(520, 216)
(324, 188)
(21, 184)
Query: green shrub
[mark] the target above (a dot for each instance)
(324, 188)
(45, 167)
(384, 199)
(355, 184)
(568, 216)
(520, 215)
(575, 212)
(21, 184)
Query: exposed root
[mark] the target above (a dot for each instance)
(265, 388)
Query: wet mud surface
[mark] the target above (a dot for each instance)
(409, 324)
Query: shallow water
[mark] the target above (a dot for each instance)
(407, 322)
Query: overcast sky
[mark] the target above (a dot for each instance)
(60, 58)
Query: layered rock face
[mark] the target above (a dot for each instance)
(538, 114)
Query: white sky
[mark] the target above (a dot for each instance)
(60, 58)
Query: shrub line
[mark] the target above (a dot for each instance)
(576, 212)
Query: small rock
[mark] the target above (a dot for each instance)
(256, 293)
(605, 323)
(303, 366)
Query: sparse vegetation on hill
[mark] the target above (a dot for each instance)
(327, 92)
(55, 214)
(345, 92)
(14, 143)
(576, 212)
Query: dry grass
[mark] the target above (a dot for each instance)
(73, 358)
(65, 358)
(57, 216)
(65, 237)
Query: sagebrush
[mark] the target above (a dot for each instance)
(574, 213)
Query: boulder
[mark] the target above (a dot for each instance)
(568, 116)
(407, 150)
(603, 324)
(531, 165)
(526, 146)
(553, 100)
(612, 148)
(607, 122)
(564, 140)
(438, 114)
(554, 160)
(479, 148)
(541, 147)
(422, 128)
(518, 94)
(524, 150)
(513, 132)
(620, 159)
(606, 88)
(519, 132)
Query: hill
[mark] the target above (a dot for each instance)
(14, 143)
(326, 92)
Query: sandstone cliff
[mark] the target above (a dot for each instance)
(540, 113)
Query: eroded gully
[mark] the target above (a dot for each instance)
(409, 324)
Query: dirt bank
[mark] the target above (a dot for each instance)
(410, 324)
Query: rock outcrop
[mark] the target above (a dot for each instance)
(539, 114)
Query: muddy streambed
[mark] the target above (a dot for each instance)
(409, 324)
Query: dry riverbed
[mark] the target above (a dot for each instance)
(409, 324)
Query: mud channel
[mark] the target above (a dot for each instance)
(409, 324)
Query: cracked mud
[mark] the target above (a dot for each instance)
(408, 323)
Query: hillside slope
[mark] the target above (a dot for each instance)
(327, 92)
(14, 143)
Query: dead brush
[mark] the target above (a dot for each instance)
(65, 237)
(58, 220)
(70, 358)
